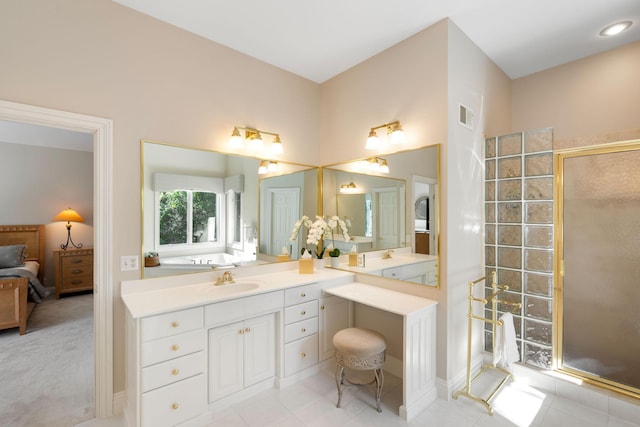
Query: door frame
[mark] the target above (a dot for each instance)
(102, 131)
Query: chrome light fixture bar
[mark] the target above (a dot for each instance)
(254, 137)
(394, 130)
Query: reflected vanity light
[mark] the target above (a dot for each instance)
(254, 138)
(348, 188)
(374, 164)
(394, 130)
(267, 166)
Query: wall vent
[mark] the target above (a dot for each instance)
(465, 117)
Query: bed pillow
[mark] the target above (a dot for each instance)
(12, 256)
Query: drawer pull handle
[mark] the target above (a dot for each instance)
(175, 347)
(304, 330)
(175, 324)
(76, 271)
(76, 261)
(247, 330)
(303, 295)
(303, 312)
(174, 406)
(322, 307)
(76, 282)
(175, 372)
(303, 355)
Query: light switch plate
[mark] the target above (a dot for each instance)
(129, 263)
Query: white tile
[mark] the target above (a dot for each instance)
(442, 413)
(322, 412)
(262, 410)
(625, 408)
(583, 394)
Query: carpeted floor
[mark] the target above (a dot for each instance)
(47, 375)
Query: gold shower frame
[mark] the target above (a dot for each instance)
(558, 172)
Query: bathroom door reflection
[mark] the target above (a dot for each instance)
(600, 257)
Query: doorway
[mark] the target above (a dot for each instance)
(598, 265)
(102, 131)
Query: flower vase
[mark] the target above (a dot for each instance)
(319, 263)
(305, 265)
(335, 261)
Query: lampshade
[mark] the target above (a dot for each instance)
(236, 138)
(68, 215)
(276, 145)
(373, 143)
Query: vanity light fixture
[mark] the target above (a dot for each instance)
(394, 130)
(617, 28)
(254, 138)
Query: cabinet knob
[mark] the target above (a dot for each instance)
(303, 355)
(175, 324)
(303, 312)
(304, 330)
(175, 347)
(247, 330)
(303, 295)
(241, 331)
(175, 372)
(174, 406)
(322, 307)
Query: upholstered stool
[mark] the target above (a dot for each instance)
(361, 350)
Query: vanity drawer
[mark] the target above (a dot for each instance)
(172, 371)
(394, 272)
(299, 312)
(166, 325)
(175, 403)
(300, 294)
(222, 313)
(298, 330)
(417, 269)
(169, 348)
(301, 354)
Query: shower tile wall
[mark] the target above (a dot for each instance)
(519, 236)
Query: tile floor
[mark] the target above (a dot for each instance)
(311, 402)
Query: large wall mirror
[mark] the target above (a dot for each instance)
(386, 208)
(201, 209)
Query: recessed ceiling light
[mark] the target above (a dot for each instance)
(616, 28)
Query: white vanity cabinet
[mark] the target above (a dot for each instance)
(300, 328)
(241, 343)
(240, 355)
(168, 360)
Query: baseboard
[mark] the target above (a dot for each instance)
(119, 402)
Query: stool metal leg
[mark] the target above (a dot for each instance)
(379, 383)
(339, 381)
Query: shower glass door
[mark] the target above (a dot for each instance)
(598, 265)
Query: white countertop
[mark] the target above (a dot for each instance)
(147, 297)
(384, 299)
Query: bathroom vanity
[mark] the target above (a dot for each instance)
(193, 347)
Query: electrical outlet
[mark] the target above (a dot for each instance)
(129, 263)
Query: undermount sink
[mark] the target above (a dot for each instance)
(229, 288)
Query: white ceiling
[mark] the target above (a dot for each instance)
(320, 39)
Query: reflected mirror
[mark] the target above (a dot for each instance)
(386, 210)
(200, 208)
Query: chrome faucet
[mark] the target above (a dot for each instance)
(225, 279)
(387, 254)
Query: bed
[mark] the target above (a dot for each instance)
(21, 285)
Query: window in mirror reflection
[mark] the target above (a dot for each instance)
(187, 217)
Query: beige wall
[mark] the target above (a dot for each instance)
(154, 81)
(593, 96)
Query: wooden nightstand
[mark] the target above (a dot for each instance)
(73, 270)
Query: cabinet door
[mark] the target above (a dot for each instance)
(259, 349)
(334, 316)
(225, 360)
